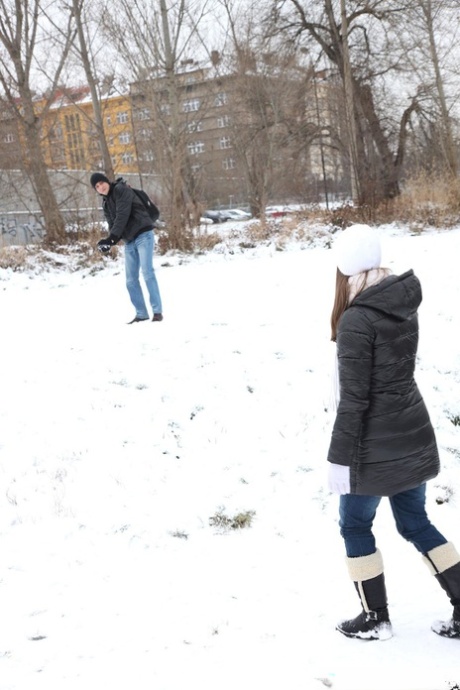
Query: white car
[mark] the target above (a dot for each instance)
(236, 214)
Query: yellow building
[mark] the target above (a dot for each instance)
(70, 137)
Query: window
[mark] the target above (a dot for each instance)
(228, 163)
(223, 121)
(195, 147)
(195, 168)
(225, 143)
(220, 99)
(194, 126)
(165, 109)
(122, 118)
(8, 138)
(127, 158)
(108, 119)
(72, 123)
(143, 114)
(124, 138)
(144, 133)
(191, 105)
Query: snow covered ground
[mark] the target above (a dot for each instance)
(125, 451)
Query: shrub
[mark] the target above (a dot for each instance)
(15, 258)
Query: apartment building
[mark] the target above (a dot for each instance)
(69, 133)
(10, 142)
(233, 126)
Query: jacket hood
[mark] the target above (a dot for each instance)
(398, 297)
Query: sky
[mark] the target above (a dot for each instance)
(128, 452)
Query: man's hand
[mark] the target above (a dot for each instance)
(339, 479)
(105, 244)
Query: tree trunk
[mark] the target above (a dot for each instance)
(177, 237)
(35, 166)
(447, 136)
(98, 119)
(350, 108)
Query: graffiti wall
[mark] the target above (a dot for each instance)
(19, 228)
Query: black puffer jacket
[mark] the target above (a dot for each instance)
(125, 213)
(382, 429)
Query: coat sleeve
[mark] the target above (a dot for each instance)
(123, 198)
(355, 355)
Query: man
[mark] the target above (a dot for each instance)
(129, 220)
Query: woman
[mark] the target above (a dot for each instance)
(382, 443)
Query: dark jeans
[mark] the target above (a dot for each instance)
(357, 515)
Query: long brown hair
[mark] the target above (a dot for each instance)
(346, 293)
(342, 291)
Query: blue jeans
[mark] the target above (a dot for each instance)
(357, 515)
(139, 256)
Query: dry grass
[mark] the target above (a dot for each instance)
(426, 201)
(205, 241)
(15, 258)
(70, 257)
(239, 521)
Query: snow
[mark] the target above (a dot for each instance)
(121, 448)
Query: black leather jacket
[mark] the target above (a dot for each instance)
(382, 429)
(125, 213)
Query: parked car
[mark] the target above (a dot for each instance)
(275, 212)
(236, 214)
(215, 216)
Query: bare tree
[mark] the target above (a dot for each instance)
(434, 25)
(79, 8)
(31, 49)
(369, 29)
(268, 86)
(155, 39)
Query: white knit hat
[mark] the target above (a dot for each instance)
(357, 249)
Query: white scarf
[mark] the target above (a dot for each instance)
(357, 283)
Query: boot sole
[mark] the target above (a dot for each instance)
(383, 633)
(441, 629)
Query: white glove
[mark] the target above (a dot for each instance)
(339, 479)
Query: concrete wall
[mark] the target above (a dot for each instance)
(21, 221)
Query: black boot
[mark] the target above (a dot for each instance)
(373, 623)
(444, 563)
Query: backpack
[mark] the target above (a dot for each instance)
(152, 210)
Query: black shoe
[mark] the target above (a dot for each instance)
(157, 317)
(374, 625)
(449, 628)
(137, 319)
